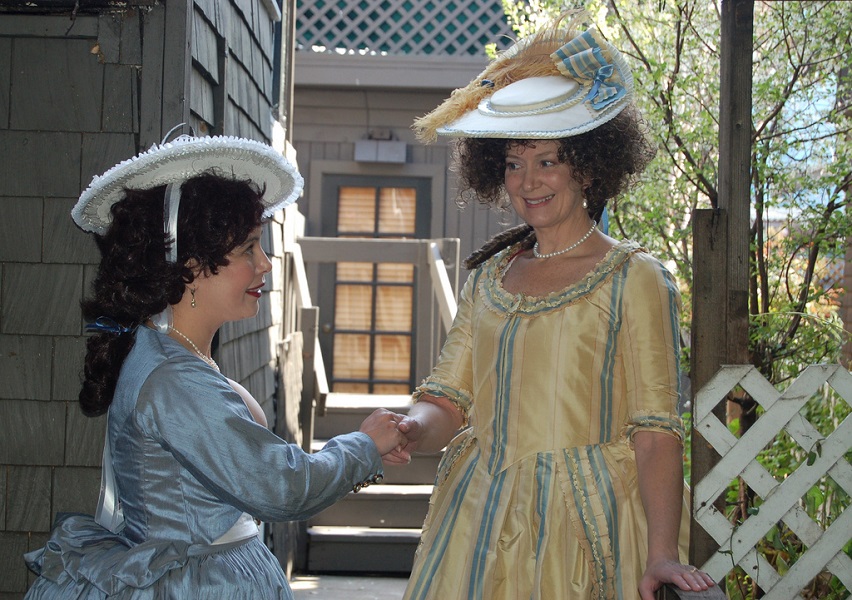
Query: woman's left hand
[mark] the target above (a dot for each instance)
(686, 577)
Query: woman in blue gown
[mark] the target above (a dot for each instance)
(188, 461)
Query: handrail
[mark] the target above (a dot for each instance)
(303, 298)
(441, 286)
(300, 277)
(425, 254)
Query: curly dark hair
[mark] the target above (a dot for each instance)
(134, 281)
(608, 159)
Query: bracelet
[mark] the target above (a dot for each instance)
(377, 478)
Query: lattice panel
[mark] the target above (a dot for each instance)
(402, 27)
(781, 499)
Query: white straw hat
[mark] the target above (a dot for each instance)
(557, 83)
(181, 159)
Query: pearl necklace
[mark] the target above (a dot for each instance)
(569, 248)
(203, 356)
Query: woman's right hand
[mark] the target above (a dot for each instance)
(381, 426)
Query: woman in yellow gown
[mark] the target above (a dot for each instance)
(562, 364)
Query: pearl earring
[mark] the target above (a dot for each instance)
(585, 204)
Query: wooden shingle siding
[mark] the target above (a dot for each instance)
(67, 373)
(330, 120)
(41, 299)
(62, 242)
(32, 483)
(99, 152)
(34, 434)
(202, 99)
(5, 78)
(65, 74)
(58, 151)
(12, 546)
(20, 214)
(76, 97)
(3, 487)
(130, 42)
(205, 47)
(84, 436)
(120, 93)
(75, 489)
(24, 361)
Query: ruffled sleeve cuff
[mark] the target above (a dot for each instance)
(653, 421)
(433, 386)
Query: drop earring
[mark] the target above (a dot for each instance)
(585, 204)
(192, 303)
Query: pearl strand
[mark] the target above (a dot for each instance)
(203, 356)
(569, 248)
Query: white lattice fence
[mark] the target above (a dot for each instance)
(402, 27)
(781, 500)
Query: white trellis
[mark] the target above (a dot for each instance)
(397, 27)
(781, 499)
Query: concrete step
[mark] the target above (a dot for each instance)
(420, 471)
(393, 506)
(345, 412)
(361, 550)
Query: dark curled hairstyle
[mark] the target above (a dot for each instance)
(134, 281)
(606, 159)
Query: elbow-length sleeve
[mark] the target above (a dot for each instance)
(452, 377)
(652, 348)
(196, 416)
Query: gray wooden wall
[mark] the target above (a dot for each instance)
(76, 96)
(328, 121)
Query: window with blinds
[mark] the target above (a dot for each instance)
(373, 302)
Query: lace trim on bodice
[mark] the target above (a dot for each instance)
(497, 298)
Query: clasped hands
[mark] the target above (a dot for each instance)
(395, 435)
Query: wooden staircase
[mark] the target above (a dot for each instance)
(376, 530)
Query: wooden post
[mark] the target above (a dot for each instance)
(709, 343)
(721, 239)
(309, 323)
(671, 592)
(735, 133)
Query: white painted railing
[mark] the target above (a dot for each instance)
(435, 287)
(781, 500)
(444, 293)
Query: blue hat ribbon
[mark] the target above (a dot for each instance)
(583, 59)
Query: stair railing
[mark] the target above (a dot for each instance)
(314, 381)
(444, 292)
(432, 321)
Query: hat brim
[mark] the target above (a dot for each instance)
(545, 107)
(486, 122)
(184, 158)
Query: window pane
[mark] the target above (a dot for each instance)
(396, 272)
(353, 307)
(352, 388)
(391, 388)
(351, 356)
(356, 210)
(351, 271)
(393, 308)
(397, 210)
(393, 357)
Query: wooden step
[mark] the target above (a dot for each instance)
(421, 470)
(345, 412)
(393, 506)
(361, 550)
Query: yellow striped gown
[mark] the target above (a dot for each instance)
(538, 497)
